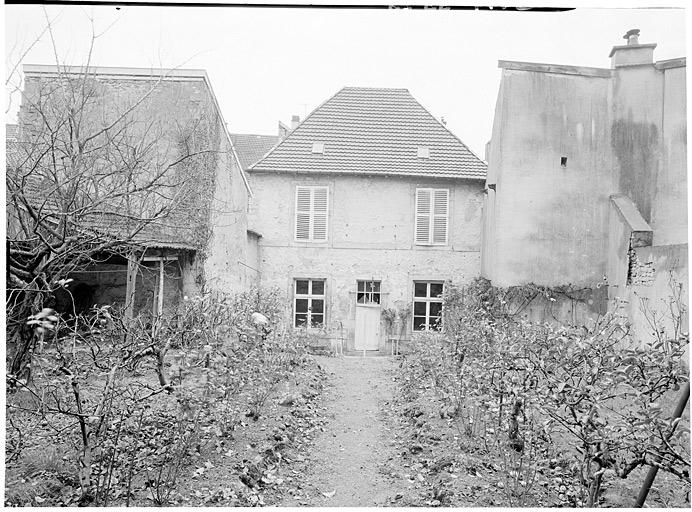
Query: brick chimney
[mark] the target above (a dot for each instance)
(633, 53)
(295, 121)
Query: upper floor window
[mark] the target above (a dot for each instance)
(432, 216)
(427, 305)
(311, 213)
(308, 302)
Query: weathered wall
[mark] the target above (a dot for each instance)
(659, 285)
(370, 237)
(669, 217)
(547, 223)
(636, 133)
(228, 254)
(623, 132)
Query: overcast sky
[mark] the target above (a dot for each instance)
(266, 65)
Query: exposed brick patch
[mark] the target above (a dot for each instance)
(639, 272)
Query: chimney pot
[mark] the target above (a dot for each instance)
(295, 121)
(633, 53)
(632, 36)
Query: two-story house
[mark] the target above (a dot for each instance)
(368, 205)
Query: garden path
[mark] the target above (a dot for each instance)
(348, 465)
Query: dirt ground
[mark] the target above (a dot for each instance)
(340, 433)
(349, 463)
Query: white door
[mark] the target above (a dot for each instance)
(367, 327)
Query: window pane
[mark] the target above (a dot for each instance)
(418, 323)
(376, 286)
(420, 289)
(361, 298)
(435, 308)
(301, 319)
(361, 286)
(436, 289)
(419, 308)
(301, 305)
(376, 298)
(318, 287)
(317, 306)
(317, 320)
(302, 287)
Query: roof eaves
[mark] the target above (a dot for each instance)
(454, 175)
(116, 72)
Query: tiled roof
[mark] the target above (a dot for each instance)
(373, 131)
(251, 148)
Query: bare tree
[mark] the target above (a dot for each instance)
(101, 165)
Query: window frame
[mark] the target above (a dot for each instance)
(433, 218)
(310, 297)
(311, 213)
(369, 295)
(427, 300)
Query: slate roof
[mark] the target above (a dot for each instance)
(251, 148)
(373, 131)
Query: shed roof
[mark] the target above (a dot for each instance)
(373, 131)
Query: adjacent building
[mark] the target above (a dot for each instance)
(365, 209)
(160, 136)
(587, 183)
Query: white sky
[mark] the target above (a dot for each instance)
(268, 64)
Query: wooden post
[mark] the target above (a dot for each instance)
(131, 289)
(159, 306)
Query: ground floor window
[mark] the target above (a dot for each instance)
(368, 292)
(427, 304)
(308, 303)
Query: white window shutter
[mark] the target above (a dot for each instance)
(320, 209)
(440, 216)
(303, 213)
(423, 211)
(312, 208)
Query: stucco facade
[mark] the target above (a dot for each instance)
(370, 238)
(581, 161)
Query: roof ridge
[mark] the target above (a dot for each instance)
(368, 88)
